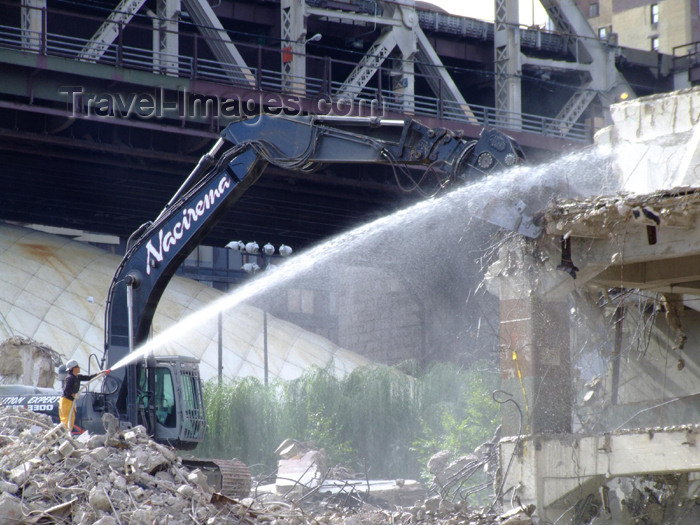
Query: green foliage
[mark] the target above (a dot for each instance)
(243, 421)
(376, 418)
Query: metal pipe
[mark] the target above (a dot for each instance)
(130, 310)
(204, 163)
(221, 348)
(359, 121)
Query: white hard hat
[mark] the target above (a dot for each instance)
(70, 365)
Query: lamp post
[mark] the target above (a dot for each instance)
(268, 251)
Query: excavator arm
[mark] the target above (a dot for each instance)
(236, 161)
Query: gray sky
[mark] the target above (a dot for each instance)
(483, 9)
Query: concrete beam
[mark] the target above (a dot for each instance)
(556, 471)
(651, 275)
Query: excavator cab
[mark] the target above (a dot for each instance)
(171, 405)
(169, 401)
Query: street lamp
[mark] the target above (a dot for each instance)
(268, 251)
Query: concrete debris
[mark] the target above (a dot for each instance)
(601, 216)
(125, 478)
(300, 468)
(24, 361)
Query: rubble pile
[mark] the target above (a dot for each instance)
(124, 477)
(118, 478)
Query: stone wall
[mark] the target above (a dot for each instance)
(379, 320)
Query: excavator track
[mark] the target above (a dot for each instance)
(229, 477)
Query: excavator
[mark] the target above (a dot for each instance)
(164, 393)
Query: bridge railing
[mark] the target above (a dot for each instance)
(262, 71)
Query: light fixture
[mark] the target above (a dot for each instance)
(239, 246)
(624, 95)
(314, 38)
(268, 249)
(250, 267)
(252, 248)
(285, 251)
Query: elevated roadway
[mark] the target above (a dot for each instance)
(104, 111)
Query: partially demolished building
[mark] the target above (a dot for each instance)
(600, 334)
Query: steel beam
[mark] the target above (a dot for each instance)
(367, 67)
(167, 49)
(350, 17)
(438, 77)
(587, 49)
(402, 35)
(109, 30)
(219, 42)
(33, 24)
(506, 43)
(293, 42)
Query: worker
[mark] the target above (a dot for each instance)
(71, 386)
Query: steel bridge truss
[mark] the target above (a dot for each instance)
(402, 51)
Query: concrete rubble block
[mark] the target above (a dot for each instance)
(198, 478)
(99, 500)
(164, 476)
(454, 469)
(82, 440)
(145, 460)
(186, 491)
(300, 474)
(10, 510)
(143, 516)
(20, 475)
(66, 448)
(290, 448)
(130, 436)
(30, 433)
(166, 453)
(177, 504)
(137, 434)
(99, 454)
(95, 441)
(7, 487)
(518, 516)
(137, 492)
(438, 461)
(118, 482)
(106, 520)
(54, 456)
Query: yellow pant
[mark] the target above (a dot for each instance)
(66, 413)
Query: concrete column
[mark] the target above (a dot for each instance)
(535, 365)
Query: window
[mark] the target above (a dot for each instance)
(603, 33)
(165, 398)
(593, 10)
(655, 43)
(654, 15)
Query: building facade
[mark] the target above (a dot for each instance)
(668, 26)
